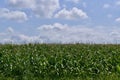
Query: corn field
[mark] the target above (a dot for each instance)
(60, 62)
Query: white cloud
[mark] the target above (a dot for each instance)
(106, 6)
(63, 33)
(56, 26)
(13, 15)
(42, 8)
(74, 13)
(117, 20)
(18, 38)
(21, 3)
(21, 38)
(45, 8)
(71, 34)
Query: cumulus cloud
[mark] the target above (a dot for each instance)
(21, 38)
(41, 8)
(73, 34)
(13, 15)
(21, 3)
(45, 8)
(64, 33)
(74, 13)
(11, 36)
(56, 26)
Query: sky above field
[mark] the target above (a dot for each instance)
(60, 21)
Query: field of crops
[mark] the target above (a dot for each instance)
(60, 62)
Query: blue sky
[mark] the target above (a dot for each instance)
(65, 21)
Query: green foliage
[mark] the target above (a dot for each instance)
(59, 61)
